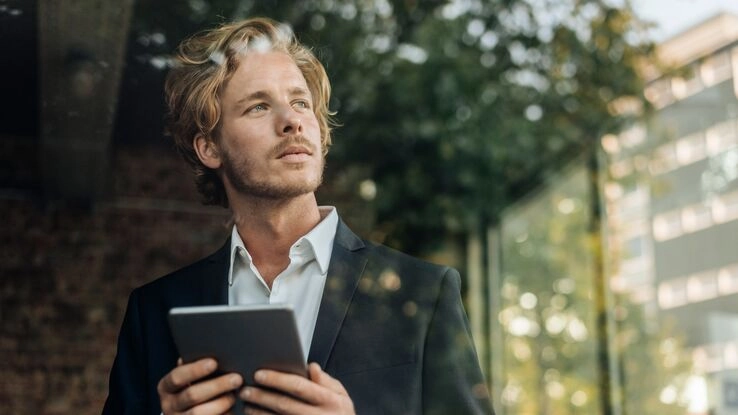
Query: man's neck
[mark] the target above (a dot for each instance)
(270, 227)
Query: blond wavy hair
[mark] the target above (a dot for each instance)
(204, 64)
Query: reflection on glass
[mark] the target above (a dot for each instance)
(546, 303)
(687, 258)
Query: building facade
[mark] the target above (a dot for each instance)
(672, 211)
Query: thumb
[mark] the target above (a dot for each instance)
(320, 377)
(315, 372)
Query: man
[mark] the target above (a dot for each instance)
(384, 333)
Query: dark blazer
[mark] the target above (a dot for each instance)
(390, 327)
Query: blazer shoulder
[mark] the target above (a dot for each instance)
(188, 274)
(385, 256)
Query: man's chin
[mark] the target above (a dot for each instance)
(278, 192)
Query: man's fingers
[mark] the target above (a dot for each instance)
(286, 393)
(251, 410)
(294, 385)
(183, 389)
(207, 390)
(320, 377)
(271, 401)
(220, 405)
(185, 374)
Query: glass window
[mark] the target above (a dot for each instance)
(703, 286)
(659, 93)
(633, 136)
(547, 352)
(725, 207)
(664, 159)
(696, 217)
(673, 293)
(691, 149)
(721, 137)
(727, 279)
(667, 225)
(716, 69)
(683, 87)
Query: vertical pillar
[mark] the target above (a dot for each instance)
(81, 52)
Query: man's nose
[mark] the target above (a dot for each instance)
(291, 123)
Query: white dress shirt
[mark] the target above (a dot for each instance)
(300, 285)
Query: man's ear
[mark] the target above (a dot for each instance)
(206, 151)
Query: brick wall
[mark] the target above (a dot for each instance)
(66, 272)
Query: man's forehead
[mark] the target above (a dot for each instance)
(258, 73)
(270, 65)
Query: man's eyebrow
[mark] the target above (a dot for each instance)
(299, 91)
(259, 95)
(256, 95)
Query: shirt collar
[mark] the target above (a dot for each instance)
(320, 239)
(322, 235)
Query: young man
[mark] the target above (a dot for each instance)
(384, 332)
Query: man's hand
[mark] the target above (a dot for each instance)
(178, 392)
(321, 394)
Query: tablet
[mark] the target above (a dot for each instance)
(242, 339)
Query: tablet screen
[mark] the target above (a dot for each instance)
(242, 339)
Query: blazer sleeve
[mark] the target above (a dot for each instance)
(127, 390)
(452, 379)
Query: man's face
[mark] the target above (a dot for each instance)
(269, 144)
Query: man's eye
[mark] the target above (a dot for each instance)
(302, 104)
(258, 108)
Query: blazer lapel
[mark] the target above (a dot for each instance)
(214, 279)
(347, 264)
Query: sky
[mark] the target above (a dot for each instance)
(674, 16)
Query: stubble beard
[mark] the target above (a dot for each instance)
(238, 173)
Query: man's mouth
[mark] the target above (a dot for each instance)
(295, 150)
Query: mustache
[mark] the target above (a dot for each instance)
(299, 140)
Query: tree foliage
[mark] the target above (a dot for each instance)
(450, 109)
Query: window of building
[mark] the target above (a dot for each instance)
(667, 225)
(632, 281)
(632, 206)
(642, 295)
(633, 248)
(716, 69)
(633, 136)
(696, 217)
(691, 84)
(730, 355)
(721, 137)
(664, 159)
(672, 293)
(734, 55)
(659, 94)
(728, 280)
(691, 149)
(725, 207)
(702, 286)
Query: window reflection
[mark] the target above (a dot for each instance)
(669, 220)
(549, 339)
